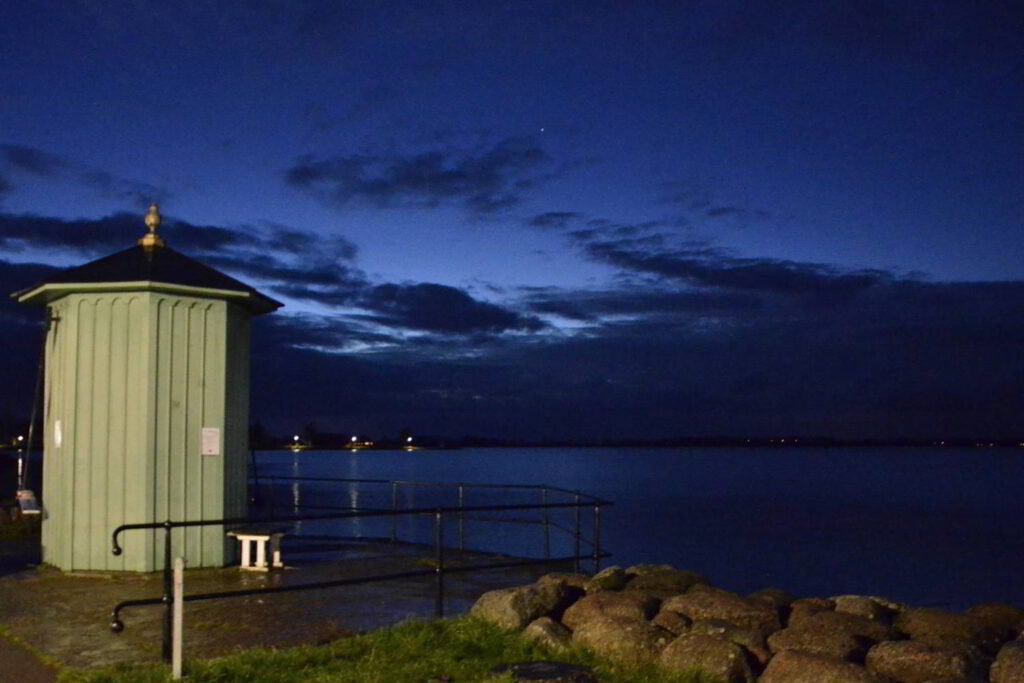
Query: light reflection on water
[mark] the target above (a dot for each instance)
(926, 526)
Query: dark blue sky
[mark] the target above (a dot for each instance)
(553, 218)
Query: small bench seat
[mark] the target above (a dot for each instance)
(260, 537)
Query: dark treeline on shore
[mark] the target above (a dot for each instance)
(309, 437)
(261, 440)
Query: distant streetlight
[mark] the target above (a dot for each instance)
(408, 439)
(295, 438)
(354, 439)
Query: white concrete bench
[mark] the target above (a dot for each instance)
(259, 537)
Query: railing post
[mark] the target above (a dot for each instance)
(547, 523)
(168, 595)
(179, 617)
(597, 538)
(462, 530)
(439, 563)
(576, 537)
(394, 512)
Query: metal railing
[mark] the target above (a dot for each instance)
(460, 512)
(542, 493)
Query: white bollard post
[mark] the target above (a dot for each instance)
(178, 617)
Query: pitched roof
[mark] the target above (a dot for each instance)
(148, 267)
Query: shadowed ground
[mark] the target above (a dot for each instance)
(66, 615)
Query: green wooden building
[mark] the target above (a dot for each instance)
(146, 405)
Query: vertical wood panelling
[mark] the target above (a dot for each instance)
(120, 341)
(100, 429)
(54, 501)
(86, 340)
(143, 433)
(192, 455)
(133, 379)
(69, 438)
(213, 416)
(164, 372)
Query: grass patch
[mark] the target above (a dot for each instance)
(461, 650)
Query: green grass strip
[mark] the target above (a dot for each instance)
(458, 650)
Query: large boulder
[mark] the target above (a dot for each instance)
(806, 607)
(751, 641)
(514, 608)
(570, 587)
(662, 580)
(621, 638)
(910, 661)
(714, 603)
(862, 627)
(549, 633)
(794, 666)
(864, 606)
(940, 628)
(568, 578)
(707, 654)
(673, 622)
(1000, 615)
(1009, 664)
(632, 605)
(612, 578)
(829, 642)
(777, 598)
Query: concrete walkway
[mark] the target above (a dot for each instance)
(66, 616)
(18, 664)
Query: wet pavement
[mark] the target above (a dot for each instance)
(66, 615)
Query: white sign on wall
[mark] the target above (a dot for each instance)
(211, 441)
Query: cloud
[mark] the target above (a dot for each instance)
(699, 203)
(481, 181)
(287, 262)
(440, 308)
(5, 186)
(704, 266)
(640, 303)
(33, 161)
(901, 359)
(656, 357)
(42, 164)
(140, 194)
(718, 211)
(555, 219)
(101, 235)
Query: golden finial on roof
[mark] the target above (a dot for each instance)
(151, 239)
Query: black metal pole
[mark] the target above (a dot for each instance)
(597, 538)
(439, 563)
(168, 594)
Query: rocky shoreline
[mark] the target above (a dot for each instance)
(676, 618)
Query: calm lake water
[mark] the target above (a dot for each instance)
(926, 526)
